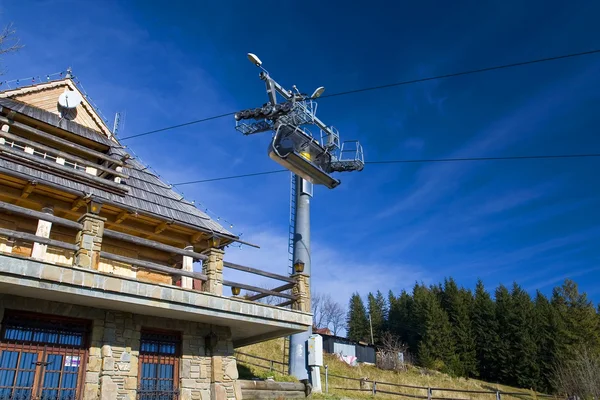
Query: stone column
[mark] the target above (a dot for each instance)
(213, 269)
(43, 230)
(302, 292)
(89, 241)
(187, 265)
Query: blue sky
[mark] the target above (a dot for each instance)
(534, 222)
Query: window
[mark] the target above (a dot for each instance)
(159, 366)
(41, 357)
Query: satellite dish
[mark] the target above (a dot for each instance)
(70, 99)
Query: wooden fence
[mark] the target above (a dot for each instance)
(375, 387)
(271, 365)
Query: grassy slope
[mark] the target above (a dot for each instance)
(414, 376)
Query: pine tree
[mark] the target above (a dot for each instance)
(400, 319)
(457, 305)
(485, 332)
(578, 317)
(436, 349)
(548, 340)
(358, 323)
(378, 312)
(521, 330)
(502, 357)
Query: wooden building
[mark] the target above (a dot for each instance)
(98, 295)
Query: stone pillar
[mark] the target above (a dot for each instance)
(302, 292)
(213, 269)
(89, 241)
(43, 230)
(187, 265)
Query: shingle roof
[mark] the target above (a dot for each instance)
(147, 193)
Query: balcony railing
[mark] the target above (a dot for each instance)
(108, 173)
(210, 280)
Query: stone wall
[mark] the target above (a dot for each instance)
(206, 370)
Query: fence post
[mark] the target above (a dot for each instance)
(498, 395)
(326, 379)
(271, 367)
(429, 393)
(374, 388)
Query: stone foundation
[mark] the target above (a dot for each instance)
(206, 370)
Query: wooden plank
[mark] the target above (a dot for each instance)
(61, 141)
(7, 207)
(65, 170)
(258, 272)
(153, 266)
(259, 290)
(277, 289)
(152, 244)
(285, 303)
(67, 156)
(33, 238)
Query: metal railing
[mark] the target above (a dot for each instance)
(145, 394)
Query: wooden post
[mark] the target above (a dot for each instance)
(212, 267)
(187, 265)
(429, 393)
(43, 230)
(374, 388)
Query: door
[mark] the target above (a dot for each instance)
(41, 358)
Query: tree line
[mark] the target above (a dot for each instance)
(509, 338)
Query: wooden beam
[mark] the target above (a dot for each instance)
(77, 204)
(67, 156)
(152, 244)
(285, 303)
(162, 226)
(7, 207)
(28, 189)
(259, 272)
(33, 238)
(196, 237)
(123, 215)
(152, 266)
(66, 172)
(57, 140)
(287, 286)
(259, 290)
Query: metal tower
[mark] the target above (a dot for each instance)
(311, 160)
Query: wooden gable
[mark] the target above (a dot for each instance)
(45, 96)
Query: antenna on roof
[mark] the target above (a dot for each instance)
(116, 124)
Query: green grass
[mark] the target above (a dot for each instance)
(412, 376)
